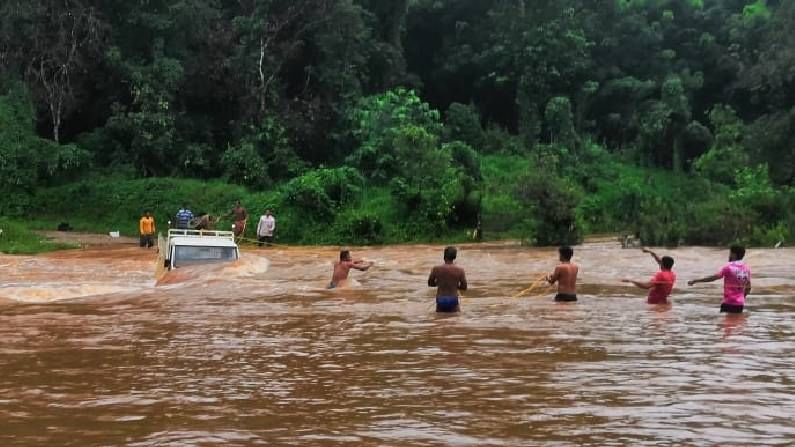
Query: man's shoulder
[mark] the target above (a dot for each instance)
(457, 269)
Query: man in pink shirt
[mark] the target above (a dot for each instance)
(736, 281)
(662, 283)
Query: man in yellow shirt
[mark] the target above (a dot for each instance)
(147, 227)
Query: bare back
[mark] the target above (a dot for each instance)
(565, 275)
(343, 268)
(448, 279)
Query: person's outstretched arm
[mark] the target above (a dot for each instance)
(361, 265)
(705, 279)
(653, 255)
(642, 285)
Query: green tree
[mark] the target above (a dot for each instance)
(27, 161)
(376, 123)
(727, 155)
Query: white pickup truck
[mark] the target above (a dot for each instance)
(190, 247)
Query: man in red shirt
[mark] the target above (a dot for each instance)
(661, 284)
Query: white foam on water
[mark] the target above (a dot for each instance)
(50, 293)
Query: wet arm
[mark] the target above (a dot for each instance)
(462, 283)
(748, 288)
(653, 255)
(710, 278)
(643, 285)
(361, 265)
(554, 277)
(432, 279)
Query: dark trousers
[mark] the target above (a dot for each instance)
(731, 308)
(147, 240)
(265, 240)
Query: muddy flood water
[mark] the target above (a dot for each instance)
(93, 352)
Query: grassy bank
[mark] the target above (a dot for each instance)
(367, 215)
(519, 196)
(17, 238)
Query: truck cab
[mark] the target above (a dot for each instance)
(190, 247)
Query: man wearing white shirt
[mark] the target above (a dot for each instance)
(265, 229)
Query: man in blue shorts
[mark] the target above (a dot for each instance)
(448, 279)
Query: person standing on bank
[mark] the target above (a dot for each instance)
(147, 229)
(241, 218)
(183, 217)
(736, 281)
(448, 279)
(265, 228)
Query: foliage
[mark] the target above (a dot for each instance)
(27, 161)
(600, 114)
(554, 201)
(378, 121)
(727, 155)
(462, 123)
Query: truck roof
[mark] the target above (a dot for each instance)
(206, 241)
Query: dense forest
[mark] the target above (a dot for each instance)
(370, 121)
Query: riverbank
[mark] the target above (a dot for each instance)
(18, 238)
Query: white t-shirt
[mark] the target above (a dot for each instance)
(267, 224)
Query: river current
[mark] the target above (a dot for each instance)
(94, 352)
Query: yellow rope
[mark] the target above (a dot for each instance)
(535, 284)
(255, 241)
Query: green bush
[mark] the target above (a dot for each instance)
(319, 194)
(359, 228)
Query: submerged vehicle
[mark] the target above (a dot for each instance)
(191, 247)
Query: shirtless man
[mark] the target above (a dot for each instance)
(565, 275)
(448, 279)
(344, 266)
(241, 217)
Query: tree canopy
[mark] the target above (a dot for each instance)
(409, 93)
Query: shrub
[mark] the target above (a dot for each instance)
(360, 228)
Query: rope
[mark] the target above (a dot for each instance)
(256, 241)
(535, 284)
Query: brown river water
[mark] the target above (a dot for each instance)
(93, 352)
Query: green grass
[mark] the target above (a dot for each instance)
(17, 238)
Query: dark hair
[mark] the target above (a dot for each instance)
(667, 262)
(450, 253)
(345, 255)
(566, 253)
(738, 251)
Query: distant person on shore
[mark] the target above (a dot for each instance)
(344, 266)
(736, 281)
(147, 230)
(183, 217)
(662, 283)
(448, 279)
(241, 217)
(565, 275)
(265, 228)
(204, 222)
